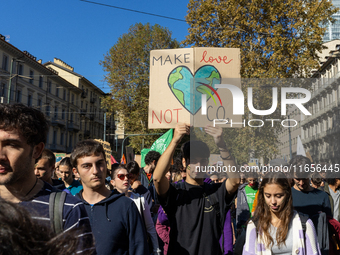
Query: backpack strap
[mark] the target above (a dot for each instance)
(56, 206)
(216, 205)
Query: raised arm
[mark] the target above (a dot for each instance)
(233, 177)
(160, 181)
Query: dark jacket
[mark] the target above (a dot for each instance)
(242, 210)
(326, 189)
(149, 185)
(117, 226)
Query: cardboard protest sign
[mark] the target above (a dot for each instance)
(179, 78)
(108, 151)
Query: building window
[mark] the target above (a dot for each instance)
(39, 104)
(57, 91)
(31, 76)
(54, 137)
(48, 110)
(3, 90)
(62, 139)
(49, 86)
(63, 114)
(5, 63)
(55, 111)
(70, 141)
(71, 116)
(29, 100)
(18, 99)
(20, 69)
(64, 94)
(72, 101)
(41, 81)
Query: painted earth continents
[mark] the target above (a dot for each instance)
(205, 78)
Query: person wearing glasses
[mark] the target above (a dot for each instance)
(120, 180)
(117, 226)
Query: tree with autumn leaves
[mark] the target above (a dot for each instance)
(127, 67)
(277, 39)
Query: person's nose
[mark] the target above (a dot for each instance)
(2, 154)
(273, 200)
(95, 169)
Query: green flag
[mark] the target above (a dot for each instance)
(143, 154)
(159, 145)
(162, 143)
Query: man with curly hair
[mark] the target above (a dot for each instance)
(23, 132)
(146, 178)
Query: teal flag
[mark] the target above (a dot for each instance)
(143, 154)
(163, 142)
(159, 145)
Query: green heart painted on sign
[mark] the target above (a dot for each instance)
(205, 78)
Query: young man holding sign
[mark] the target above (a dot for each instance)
(196, 210)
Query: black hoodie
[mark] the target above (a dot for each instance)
(116, 225)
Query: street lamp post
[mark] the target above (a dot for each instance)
(104, 139)
(10, 80)
(290, 140)
(11, 77)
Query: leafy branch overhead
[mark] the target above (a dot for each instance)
(127, 66)
(277, 39)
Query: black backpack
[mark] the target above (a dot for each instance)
(56, 206)
(241, 239)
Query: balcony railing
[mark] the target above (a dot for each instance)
(72, 126)
(57, 122)
(320, 112)
(82, 112)
(83, 94)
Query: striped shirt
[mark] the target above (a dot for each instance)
(74, 216)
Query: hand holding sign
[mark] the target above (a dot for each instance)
(217, 134)
(180, 130)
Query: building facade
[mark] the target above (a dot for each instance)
(289, 135)
(321, 129)
(70, 102)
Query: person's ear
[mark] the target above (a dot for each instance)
(184, 163)
(37, 150)
(75, 171)
(113, 183)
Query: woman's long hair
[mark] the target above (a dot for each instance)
(262, 215)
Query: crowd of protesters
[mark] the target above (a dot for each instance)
(78, 206)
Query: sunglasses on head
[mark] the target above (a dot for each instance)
(122, 176)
